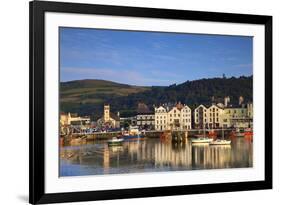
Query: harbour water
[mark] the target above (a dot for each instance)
(152, 155)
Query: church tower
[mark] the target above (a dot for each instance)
(106, 113)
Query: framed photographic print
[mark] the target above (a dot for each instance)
(139, 102)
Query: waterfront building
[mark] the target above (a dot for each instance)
(200, 117)
(145, 117)
(224, 115)
(125, 122)
(208, 117)
(146, 121)
(73, 119)
(161, 118)
(109, 119)
(214, 116)
(176, 117)
(238, 117)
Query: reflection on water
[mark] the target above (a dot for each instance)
(150, 155)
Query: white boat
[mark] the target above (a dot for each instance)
(202, 140)
(221, 141)
(115, 141)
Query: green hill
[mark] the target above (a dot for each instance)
(87, 97)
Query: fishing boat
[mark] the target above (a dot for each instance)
(248, 132)
(221, 141)
(115, 142)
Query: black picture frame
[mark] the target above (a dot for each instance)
(37, 10)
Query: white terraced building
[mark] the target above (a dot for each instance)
(176, 117)
(208, 118)
(218, 116)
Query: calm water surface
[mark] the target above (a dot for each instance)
(151, 155)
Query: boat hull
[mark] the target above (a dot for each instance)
(115, 142)
(221, 142)
(201, 140)
(133, 137)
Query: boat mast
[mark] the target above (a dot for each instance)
(204, 134)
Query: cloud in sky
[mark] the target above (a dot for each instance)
(151, 58)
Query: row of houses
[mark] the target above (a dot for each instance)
(221, 116)
(181, 117)
(176, 117)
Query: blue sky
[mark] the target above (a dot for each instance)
(151, 58)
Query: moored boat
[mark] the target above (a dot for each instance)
(115, 142)
(221, 141)
(201, 140)
(132, 134)
(248, 132)
(132, 137)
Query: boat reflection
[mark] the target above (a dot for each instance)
(151, 155)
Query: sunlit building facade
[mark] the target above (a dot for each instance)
(176, 117)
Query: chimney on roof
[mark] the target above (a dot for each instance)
(226, 101)
(241, 100)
